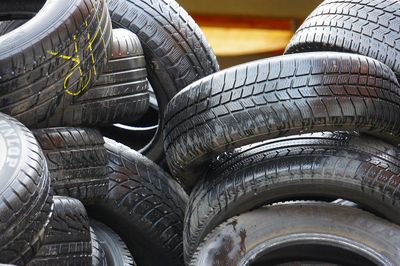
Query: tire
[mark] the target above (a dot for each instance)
(10, 25)
(363, 27)
(319, 166)
(120, 93)
(322, 233)
(275, 97)
(116, 252)
(67, 240)
(77, 161)
(177, 52)
(25, 205)
(144, 206)
(39, 71)
(98, 254)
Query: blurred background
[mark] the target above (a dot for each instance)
(241, 31)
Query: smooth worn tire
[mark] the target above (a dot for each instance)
(25, 205)
(67, 240)
(52, 59)
(317, 166)
(275, 97)
(176, 50)
(144, 206)
(77, 161)
(364, 27)
(120, 93)
(280, 234)
(115, 250)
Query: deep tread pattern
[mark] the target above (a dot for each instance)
(361, 169)
(176, 50)
(26, 199)
(118, 252)
(144, 206)
(274, 97)
(98, 254)
(120, 93)
(366, 27)
(291, 222)
(10, 25)
(77, 161)
(36, 66)
(67, 240)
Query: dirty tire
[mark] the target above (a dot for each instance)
(364, 27)
(10, 25)
(120, 93)
(361, 169)
(77, 161)
(39, 74)
(98, 254)
(274, 97)
(144, 206)
(67, 240)
(261, 237)
(115, 251)
(25, 205)
(177, 52)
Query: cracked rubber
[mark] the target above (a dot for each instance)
(316, 166)
(262, 233)
(115, 251)
(275, 97)
(77, 161)
(120, 92)
(176, 50)
(144, 206)
(25, 205)
(366, 27)
(67, 240)
(36, 60)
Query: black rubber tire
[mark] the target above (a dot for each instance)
(67, 240)
(35, 80)
(98, 254)
(77, 161)
(177, 52)
(318, 166)
(25, 205)
(244, 238)
(10, 25)
(364, 27)
(115, 250)
(144, 206)
(274, 97)
(120, 93)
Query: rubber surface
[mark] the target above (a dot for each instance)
(116, 252)
(241, 239)
(144, 206)
(25, 202)
(77, 161)
(10, 25)
(98, 254)
(67, 240)
(176, 50)
(52, 59)
(315, 166)
(120, 92)
(275, 97)
(366, 27)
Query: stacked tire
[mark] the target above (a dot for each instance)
(294, 159)
(70, 73)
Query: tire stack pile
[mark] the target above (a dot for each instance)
(69, 71)
(287, 160)
(283, 157)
